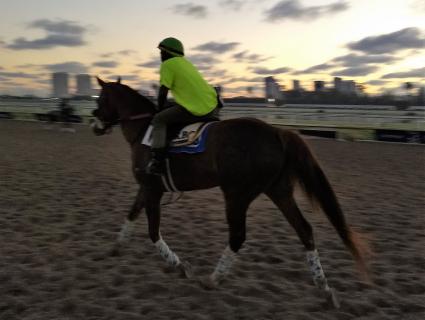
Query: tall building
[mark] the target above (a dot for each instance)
(345, 86)
(296, 85)
(84, 87)
(319, 86)
(273, 91)
(337, 83)
(60, 84)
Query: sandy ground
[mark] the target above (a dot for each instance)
(64, 196)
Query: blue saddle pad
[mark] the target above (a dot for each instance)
(197, 146)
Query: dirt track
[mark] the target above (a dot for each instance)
(64, 196)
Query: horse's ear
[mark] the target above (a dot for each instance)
(100, 82)
(119, 80)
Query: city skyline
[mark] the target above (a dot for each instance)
(235, 44)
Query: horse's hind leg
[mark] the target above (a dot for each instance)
(304, 230)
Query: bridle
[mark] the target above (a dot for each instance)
(101, 127)
(137, 117)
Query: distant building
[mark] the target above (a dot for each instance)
(421, 93)
(337, 83)
(319, 86)
(345, 86)
(296, 85)
(60, 85)
(84, 87)
(273, 90)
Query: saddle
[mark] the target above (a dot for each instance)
(189, 139)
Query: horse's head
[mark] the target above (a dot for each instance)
(106, 115)
(119, 103)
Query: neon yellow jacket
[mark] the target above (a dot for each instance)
(189, 88)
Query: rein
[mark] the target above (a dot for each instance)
(137, 117)
(102, 127)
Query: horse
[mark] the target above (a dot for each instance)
(245, 157)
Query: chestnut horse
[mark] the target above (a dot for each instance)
(244, 157)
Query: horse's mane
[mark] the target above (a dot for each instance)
(132, 96)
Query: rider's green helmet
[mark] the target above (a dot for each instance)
(172, 46)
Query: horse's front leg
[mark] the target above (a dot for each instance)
(128, 226)
(236, 207)
(153, 213)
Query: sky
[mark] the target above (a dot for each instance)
(235, 44)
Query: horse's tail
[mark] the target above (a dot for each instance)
(308, 173)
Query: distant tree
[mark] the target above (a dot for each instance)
(249, 90)
(408, 86)
(361, 88)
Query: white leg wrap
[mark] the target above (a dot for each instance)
(316, 269)
(224, 264)
(126, 231)
(169, 256)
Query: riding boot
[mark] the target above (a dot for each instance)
(157, 164)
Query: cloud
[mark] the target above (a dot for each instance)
(130, 77)
(353, 60)
(415, 73)
(106, 64)
(293, 9)
(408, 38)
(377, 82)
(245, 56)
(15, 75)
(126, 52)
(356, 71)
(190, 9)
(265, 71)
(103, 72)
(315, 69)
(217, 47)
(70, 67)
(216, 73)
(244, 79)
(203, 59)
(46, 43)
(232, 4)
(58, 27)
(61, 33)
(353, 64)
(27, 66)
(154, 63)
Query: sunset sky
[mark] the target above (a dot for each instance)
(235, 44)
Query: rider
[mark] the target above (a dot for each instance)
(195, 99)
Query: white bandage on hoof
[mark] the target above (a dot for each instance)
(316, 269)
(126, 231)
(224, 264)
(169, 256)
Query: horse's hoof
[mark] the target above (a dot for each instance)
(207, 283)
(333, 298)
(186, 269)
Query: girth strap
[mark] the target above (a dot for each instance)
(168, 182)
